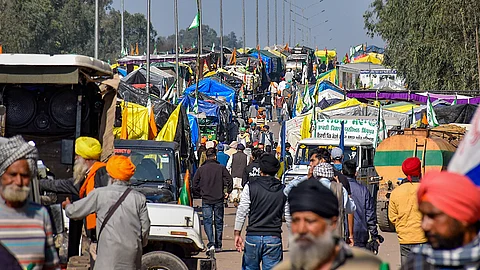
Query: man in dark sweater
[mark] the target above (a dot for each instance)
(210, 181)
(263, 202)
(253, 169)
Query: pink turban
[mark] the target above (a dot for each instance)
(454, 194)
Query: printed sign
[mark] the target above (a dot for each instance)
(354, 129)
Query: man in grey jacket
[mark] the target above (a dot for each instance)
(126, 232)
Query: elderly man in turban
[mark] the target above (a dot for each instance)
(88, 173)
(26, 226)
(403, 209)
(450, 205)
(313, 242)
(122, 236)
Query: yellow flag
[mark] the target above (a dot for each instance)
(233, 60)
(170, 128)
(306, 126)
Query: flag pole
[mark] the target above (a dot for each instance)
(199, 49)
(177, 77)
(221, 33)
(122, 26)
(147, 87)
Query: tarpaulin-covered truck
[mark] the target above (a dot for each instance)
(434, 153)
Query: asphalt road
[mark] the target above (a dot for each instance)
(230, 259)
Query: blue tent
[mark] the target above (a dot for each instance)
(210, 109)
(214, 89)
(195, 131)
(326, 85)
(267, 60)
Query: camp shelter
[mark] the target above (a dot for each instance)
(345, 104)
(213, 88)
(160, 80)
(460, 114)
(322, 55)
(273, 63)
(195, 131)
(402, 107)
(222, 76)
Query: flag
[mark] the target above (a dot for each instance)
(213, 47)
(195, 23)
(258, 52)
(155, 49)
(413, 121)
(205, 66)
(286, 47)
(382, 130)
(136, 49)
(307, 100)
(431, 117)
(247, 65)
(195, 105)
(233, 60)
(185, 197)
(466, 159)
(132, 52)
(1, 48)
(424, 118)
(454, 101)
(341, 145)
(346, 59)
(170, 128)
(124, 128)
(152, 126)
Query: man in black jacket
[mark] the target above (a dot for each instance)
(253, 169)
(263, 202)
(210, 181)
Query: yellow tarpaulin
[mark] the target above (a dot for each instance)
(329, 76)
(170, 128)
(373, 58)
(403, 108)
(321, 53)
(344, 104)
(137, 124)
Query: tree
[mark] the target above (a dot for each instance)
(430, 43)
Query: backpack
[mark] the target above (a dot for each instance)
(337, 189)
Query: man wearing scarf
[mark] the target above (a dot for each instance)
(313, 242)
(126, 232)
(450, 205)
(88, 173)
(403, 209)
(26, 227)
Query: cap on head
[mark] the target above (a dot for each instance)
(312, 196)
(220, 147)
(88, 148)
(240, 146)
(269, 164)
(454, 194)
(266, 127)
(337, 153)
(120, 168)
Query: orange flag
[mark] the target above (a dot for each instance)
(1, 48)
(205, 66)
(136, 49)
(124, 128)
(153, 130)
(233, 60)
(424, 119)
(286, 47)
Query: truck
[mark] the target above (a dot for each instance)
(434, 152)
(53, 99)
(299, 57)
(360, 150)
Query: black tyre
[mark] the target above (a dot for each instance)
(161, 260)
(382, 217)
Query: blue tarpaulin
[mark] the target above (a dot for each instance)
(214, 89)
(267, 60)
(210, 109)
(195, 131)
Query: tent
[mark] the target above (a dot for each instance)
(347, 103)
(273, 63)
(389, 85)
(460, 114)
(195, 131)
(402, 107)
(159, 79)
(214, 89)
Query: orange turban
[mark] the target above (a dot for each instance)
(454, 194)
(120, 167)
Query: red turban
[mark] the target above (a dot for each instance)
(454, 194)
(120, 167)
(412, 167)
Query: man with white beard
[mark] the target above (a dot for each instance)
(313, 244)
(88, 173)
(26, 229)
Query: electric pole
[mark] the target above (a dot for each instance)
(268, 22)
(96, 29)
(221, 33)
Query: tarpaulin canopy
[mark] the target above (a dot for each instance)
(195, 131)
(213, 88)
(460, 114)
(373, 58)
(209, 108)
(159, 79)
(345, 104)
(388, 85)
(408, 96)
(273, 63)
(402, 107)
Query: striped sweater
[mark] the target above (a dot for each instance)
(27, 233)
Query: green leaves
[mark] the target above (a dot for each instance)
(430, 42)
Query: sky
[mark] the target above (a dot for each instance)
(343, 29)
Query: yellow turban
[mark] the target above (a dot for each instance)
(120, 167)
(88, 148)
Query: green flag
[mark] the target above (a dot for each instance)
(195, 23)
(307, 99)
(382, 129)
(413, 121)
(431, 117)
(454, 101)
(185, 197)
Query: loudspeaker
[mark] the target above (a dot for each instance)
(50, 110)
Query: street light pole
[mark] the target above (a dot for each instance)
(276, 23)
(268, 22)
(290, 27)
(96, 29)
(123, 39)
(283, 22)
(177, 75)
(258, 42)
(147, 87)
(243, 21)
(221, 33)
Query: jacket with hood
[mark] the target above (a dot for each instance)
(263, 201)
(252, 170)
(210, 180)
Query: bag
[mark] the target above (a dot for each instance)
(110, 212)
(337, 189)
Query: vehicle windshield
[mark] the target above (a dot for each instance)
(151, 166)
(303, 153)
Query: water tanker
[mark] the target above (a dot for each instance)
(433, 151)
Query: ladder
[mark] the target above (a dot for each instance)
(420, 145)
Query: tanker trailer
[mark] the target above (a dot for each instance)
(434, 153)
